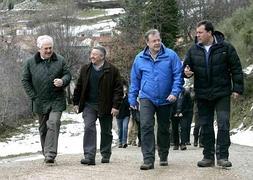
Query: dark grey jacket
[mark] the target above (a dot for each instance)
(37, 79)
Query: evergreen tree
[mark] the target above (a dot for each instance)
(128, 39)
(130, 24)
(164, 16)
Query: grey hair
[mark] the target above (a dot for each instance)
(151, 31)
(101, 49)
(42, 39)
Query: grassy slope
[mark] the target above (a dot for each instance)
(239, 31)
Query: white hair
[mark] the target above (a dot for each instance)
(43, 39)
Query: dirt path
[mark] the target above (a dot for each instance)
(125, 165)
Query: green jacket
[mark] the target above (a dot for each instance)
(37, 79)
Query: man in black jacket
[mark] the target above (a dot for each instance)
(98, 94)
(217, 75)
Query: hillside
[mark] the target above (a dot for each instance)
(239, 31)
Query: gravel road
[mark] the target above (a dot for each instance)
(125, 164)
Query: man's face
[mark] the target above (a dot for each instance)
(46, 50)
(154, 42)
(203, 36)
(96, 57)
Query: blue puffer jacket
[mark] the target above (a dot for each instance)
(155, 80)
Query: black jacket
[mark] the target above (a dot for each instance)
(124, 110)
(110, 89)
(222, 75)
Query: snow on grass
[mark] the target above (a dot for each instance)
(70, 138)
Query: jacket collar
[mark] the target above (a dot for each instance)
(38, 57)
(160, 53)
(105, 68)
(217, 36)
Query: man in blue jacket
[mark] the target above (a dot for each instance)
(156, 79)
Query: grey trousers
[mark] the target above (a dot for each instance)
(49, 127)
(90, 134)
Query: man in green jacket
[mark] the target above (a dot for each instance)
(45, 75)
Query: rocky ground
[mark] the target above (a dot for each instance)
(125, 164)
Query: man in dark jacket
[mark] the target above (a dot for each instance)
(98, 94)
(45, 76)
(217, 74)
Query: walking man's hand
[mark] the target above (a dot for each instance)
(76, 109)
(187, 71)
(114, 112)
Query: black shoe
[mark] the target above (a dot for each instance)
(195, 143)
(201, 145)
(224, 163)
(175, 147)
(163, 163)
(49, 160)
(147, 166)
(183, 147)
(124, 145)
(206, 163)
(120, 146)
(105, 160)
(88, 161)
(188, 143)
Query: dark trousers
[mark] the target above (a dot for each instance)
(187, 119)
(179, 126)
(136, 117)
(49, 127)
(147, 112)
(175, 130)
(197, 132)
(206, 109)
(90, 134)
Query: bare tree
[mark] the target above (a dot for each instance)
(58, 25)
(14, 104)
(193, 11)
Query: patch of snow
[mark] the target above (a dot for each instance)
(70, 139)
(108, 12)
(102, 25)
(248, 70)
(114, 11)
(243, 137)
